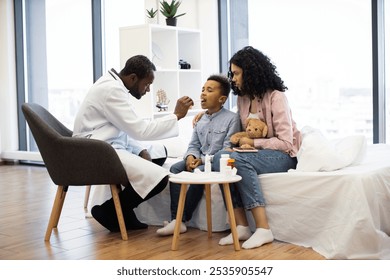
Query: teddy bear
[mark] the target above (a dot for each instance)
(254, 128)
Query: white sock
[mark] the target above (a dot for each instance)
(260, 237)
(243, 234)
(169, 228)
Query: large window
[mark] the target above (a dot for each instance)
(69, 56)
(55, 51)
(328, 52)
(54, 54)
(322, 50)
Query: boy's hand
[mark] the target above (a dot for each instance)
(192, 163)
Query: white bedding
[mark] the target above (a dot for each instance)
(342, 214)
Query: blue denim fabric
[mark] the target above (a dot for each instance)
(248, 193)
(194, 193)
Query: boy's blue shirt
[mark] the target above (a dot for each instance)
(212, 133)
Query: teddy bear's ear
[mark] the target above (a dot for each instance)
(253, 121)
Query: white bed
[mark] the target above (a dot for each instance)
(341, 214)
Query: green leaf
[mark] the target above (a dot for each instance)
(169, 10)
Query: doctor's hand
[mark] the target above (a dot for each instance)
(183, 104)
(145, 155)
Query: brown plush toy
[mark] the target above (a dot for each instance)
(255, 128)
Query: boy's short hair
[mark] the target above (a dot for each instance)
(223, 81)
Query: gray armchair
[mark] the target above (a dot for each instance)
(74, 161)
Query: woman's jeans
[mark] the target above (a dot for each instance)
(194, 193)
(248, 193)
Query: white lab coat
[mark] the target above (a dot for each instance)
(106, 114)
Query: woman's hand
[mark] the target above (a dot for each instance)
(196, 118)
(248, 141)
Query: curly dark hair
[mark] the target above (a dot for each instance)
(223, 81)
(139, 65)
(258, 76)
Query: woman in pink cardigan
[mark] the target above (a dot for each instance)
(260, 92)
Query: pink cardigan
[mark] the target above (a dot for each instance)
(274, 110)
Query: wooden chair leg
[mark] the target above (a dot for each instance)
(208, 210)
(86, 197)
(179, 216)
(115, 195)
(62, 200)
(232, 219)
(56, 211)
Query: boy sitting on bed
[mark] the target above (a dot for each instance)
(211, 134)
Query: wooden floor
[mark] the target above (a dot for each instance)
(26, 197)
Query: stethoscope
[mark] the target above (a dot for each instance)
(116, 73)
(113, 70)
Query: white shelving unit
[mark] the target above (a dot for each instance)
(165, 46)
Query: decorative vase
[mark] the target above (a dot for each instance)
(171, 21)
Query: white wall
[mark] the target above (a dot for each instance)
(8, 111)
(203, 15)
(207, 15)
(200, 14)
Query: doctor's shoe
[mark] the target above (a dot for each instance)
(132, 221)
(106, 219)
(129, 200)
(105, 214)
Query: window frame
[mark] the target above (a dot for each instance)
(378, 71)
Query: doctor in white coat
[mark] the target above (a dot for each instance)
(107, 114)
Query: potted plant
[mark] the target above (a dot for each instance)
(169, 10)
(151, 14)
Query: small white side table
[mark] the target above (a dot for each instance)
(187, 178)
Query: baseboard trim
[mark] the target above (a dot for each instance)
(21, 156)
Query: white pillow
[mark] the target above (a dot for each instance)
(319, 154)
(177, 146)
